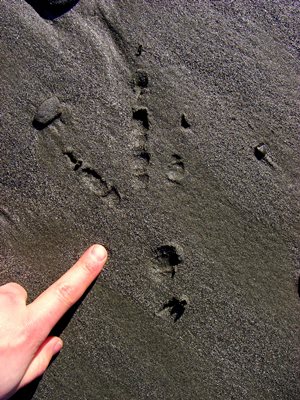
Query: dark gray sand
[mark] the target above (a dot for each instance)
(169, 131)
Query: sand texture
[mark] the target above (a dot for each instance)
(169, 132)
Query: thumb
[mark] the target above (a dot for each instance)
(51, 346)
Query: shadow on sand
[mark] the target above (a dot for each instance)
(52, 9)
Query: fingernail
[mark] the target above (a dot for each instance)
(57, 346)
(99, 252)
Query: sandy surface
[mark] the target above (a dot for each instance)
(169, 132)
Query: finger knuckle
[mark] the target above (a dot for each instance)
(65, 294)
(90, 267)
(24, 335)
(13, 290)
(18, 288)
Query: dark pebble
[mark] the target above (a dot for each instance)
(47, 112)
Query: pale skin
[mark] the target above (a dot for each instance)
(26, 348)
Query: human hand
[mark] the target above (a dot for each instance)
(25, 347)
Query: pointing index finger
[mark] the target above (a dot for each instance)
(47, 309)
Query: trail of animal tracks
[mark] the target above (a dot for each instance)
(168, 131)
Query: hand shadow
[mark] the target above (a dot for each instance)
(51, 10)
(28, 391)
